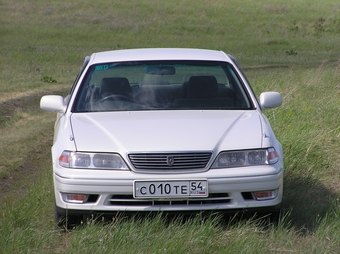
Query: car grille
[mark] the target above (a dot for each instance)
(128, 200)
(170, 161)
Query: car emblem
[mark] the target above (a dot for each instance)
(170, 160)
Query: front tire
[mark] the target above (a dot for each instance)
(62, 220)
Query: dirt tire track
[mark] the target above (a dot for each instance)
(32, 167)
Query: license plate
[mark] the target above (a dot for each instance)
(170, 189)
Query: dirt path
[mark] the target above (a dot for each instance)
(17, 181)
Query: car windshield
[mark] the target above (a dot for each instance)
(161, 85)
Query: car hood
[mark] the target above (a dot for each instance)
(166, 131)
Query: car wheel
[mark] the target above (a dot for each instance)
(272, 216)
(64, 221)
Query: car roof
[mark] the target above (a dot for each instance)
(149, 54)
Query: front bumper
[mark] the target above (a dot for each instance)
(110, 193)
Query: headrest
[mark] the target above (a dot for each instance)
(116, 86)
(202, 87)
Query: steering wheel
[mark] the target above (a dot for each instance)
(115, 97)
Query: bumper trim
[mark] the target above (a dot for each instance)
(253, 210)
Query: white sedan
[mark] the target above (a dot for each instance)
(171, 130)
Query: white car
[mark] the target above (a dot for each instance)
(170, 130)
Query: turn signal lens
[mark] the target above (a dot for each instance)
(273, 156)
(265, 195)
(75, 198)
(64, 159)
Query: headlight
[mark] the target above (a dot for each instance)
(91, 160)
(246, 158)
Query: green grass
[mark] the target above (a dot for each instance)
(50, 38)
(287, 46)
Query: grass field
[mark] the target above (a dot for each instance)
(287, 46)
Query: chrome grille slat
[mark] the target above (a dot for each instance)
(159, 161)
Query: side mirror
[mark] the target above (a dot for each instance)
(52, 103)
(270, 100)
